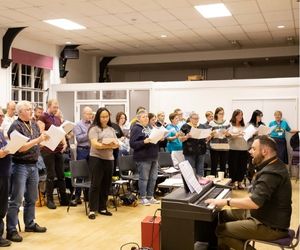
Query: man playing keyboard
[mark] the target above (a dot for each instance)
(265, 214)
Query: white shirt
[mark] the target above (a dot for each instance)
(7, 121)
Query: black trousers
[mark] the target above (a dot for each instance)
(4, 182)
(100, 183)
(55, 168)
(237, 163)
(218, 157)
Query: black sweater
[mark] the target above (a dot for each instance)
(142, 151)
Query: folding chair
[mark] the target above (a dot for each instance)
(289, 242)
(127, 169)
(165, 159)
(79, 169)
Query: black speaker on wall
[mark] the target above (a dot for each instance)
(69, 52)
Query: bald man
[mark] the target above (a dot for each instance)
(9, 118)
(83, 146)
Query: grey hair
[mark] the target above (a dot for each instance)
(140, 113)
(192, 114)
(21, 105)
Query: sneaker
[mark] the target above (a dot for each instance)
(51, 205)
(14, 236)
(92, 215)
(36, 229)
(153, 201)
(4, 242)
(145, 202)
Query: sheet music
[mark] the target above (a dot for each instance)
(249, 132)
(17, 140)
(264, 130)
(177, 157)
(68, 126)
(56, 134)
(198, 133)
(157, 134)
(171, 170)
(189, 177)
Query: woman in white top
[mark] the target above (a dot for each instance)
(219, 143)
(238, 150)
(103, 140)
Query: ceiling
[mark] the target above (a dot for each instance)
(129, 27)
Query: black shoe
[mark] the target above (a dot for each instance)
(51, 205)
(14, 236)
(92, 215)
(107, 213)
(36, 229)
(4, 242)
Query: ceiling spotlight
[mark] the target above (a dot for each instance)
(68, 42)
(236, 44)
(280, 26)
(163, 36)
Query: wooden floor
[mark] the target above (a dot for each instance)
(74, 230)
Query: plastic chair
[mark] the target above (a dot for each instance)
(289, 242)
(127, 169)
(165, 159)
(79, 169)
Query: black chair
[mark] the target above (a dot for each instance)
(79, 169)
(127, 169)
(165, 159)
(289, 242)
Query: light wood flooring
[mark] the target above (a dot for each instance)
(74, 230)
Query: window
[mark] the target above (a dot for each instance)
(28, 84)
(114, 94)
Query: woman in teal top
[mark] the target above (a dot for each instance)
(278, 134)
(174, 144)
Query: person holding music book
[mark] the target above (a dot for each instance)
(193, 149)
(103, 141)
(24, 176)
(145, 155)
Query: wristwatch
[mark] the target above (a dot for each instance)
(228, 201)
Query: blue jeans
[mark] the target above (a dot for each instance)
(197, 162)
(24, 183)
(147, 177)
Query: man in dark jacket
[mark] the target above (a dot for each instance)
(266, 213)
(145, 155)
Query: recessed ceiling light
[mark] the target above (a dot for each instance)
(65, 24)
(68, 42)
(163, 36)
(213, 10)
(280, 26)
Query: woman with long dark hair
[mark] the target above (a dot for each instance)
(219, 143)
(103, 140)
(238, 149)
(256, 121)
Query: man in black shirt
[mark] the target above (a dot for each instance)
(24, 178)
(266, 213)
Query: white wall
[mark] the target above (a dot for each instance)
(208, 95)
(82, 69)
(201, 96)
